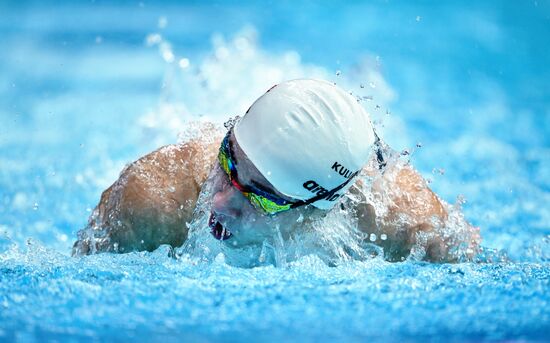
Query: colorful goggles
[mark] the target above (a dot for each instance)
(260, 199)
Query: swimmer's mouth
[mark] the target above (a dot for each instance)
(217, 230)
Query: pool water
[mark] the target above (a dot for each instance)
(89, 87)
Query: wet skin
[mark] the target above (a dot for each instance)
(154, 198)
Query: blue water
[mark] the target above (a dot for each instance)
(86, 88)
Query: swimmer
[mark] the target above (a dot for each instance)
(302, 150)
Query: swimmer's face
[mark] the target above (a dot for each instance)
(235, 219)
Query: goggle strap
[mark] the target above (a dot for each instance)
(321, 196)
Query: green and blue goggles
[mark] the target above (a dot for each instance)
(260, 199)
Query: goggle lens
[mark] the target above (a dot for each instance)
(260, 202)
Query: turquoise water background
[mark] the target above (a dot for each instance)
(87, 87)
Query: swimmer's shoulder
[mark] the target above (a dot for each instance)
(193, 159)
(198, 155)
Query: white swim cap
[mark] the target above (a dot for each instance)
(307, 137)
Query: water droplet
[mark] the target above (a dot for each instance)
(153, 39)
(162, 22)
(231, 122)
(383, 236)
(184, 63)
(419, 145)
(405, 152)
(372, 84)
(372, 237)
(338, 72)
(362, 85)
(439, 171)
(35, 206)
(168, 56)
(418, 18)
(171, 189)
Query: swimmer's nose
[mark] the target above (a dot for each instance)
(227, 203)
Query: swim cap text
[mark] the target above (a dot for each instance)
(314, 187)
(345, 172)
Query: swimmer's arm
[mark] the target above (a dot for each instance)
(150, 202)
(401, 208)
